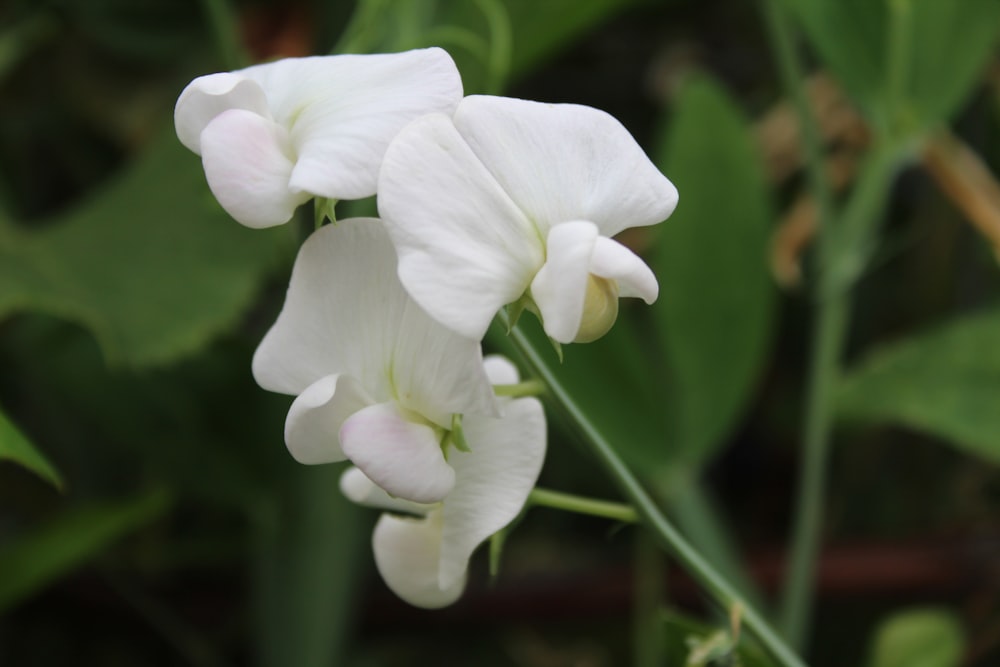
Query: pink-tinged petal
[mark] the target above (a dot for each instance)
(401, 456)
(501, 370)
(207, 96)
(493, 481)
(248, 161)
(560, 286)
(614, 261)
(342, 111)
(562, 162)
(357, 488)
(465, 249)
(313, 424)
(407, 554)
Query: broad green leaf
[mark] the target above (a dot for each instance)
(716, 306)
(151, 266)
(35, 560)
(941, 48)
(945, 382)
(14, 446)
(925, 637)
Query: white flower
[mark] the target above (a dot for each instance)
(510, 199)
(423, 557)
(273, 136)
(376, 379)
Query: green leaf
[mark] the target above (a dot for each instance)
(941, 50)
(151, 266)
(68, 542)
(14, 446)
(925, 637)
(945, 382)
(716, 306)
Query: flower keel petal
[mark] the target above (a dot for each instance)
(407, 553)
(313, 424)
(560, 286)
(401, 456)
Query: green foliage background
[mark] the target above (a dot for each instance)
(149, 514)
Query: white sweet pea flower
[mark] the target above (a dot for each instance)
(422, 551)
(510, 199)
(376, 380)
(273, 136)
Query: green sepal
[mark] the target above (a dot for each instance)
(457, 434)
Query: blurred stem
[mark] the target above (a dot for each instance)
(222, 21)
(844, 254)
(653, 519)
(526, 388)
(649, 585)
(581, 505)
(790, 70)
(898, 61)
(498, 64)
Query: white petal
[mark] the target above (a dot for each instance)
(346, 313)
(313, 424)
(407, 555)
(357, 488)
(465, 250)
(342, 111)
(493, 481)
(613, 260)
(562, 162)
(501, 370)
(401, 456)
(560, 287)
(248, 163)
(207, 96)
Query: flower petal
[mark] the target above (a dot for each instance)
(342, 111)
(347, 313)
(248, 163)
(465, 250)
(492, 481)
(500, 370)
(613, 260)
(312, 428)
(562, 162)
(207, 96)
(407, 555)
(560, 286)
(401, 456)
(357, 488)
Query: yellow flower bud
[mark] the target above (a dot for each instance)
(600, 309)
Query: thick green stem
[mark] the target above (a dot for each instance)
(526, 388)
(581, 505)
(844, 255)
(648, 589)
(222, 21)
(663, 531)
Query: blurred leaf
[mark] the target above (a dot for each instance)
(69, 541)
(152, 266)
(944, 48)
(310, 542)
(918, 638)
(945, 382)
(15, 447)
(716, 305)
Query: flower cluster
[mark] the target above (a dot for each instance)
(484, 202)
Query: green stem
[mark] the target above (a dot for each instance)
(648, 589)
(532, 387)
(845, 254)
(581, 505)
(223, 24)
(664, 532)
(791, 72)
